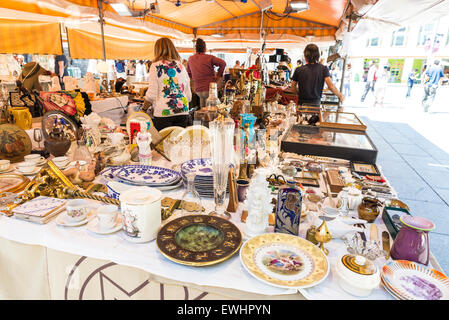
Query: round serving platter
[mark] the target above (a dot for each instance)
(412, 281)
(198, 240)
(148, 175)
(284, 261)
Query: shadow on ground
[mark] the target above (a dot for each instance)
(419, 172)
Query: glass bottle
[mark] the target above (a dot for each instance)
(212, 101)
(81, 153)
(344, 201)
(191, 200)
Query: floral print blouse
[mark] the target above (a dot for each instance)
(169, 88)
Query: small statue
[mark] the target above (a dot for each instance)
(77, 176)
(143, 140)
(55, 85)
(258, 204)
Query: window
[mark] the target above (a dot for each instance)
(373, 42)
(425, 33)
(398, 38)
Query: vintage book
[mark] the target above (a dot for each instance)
(41, 209)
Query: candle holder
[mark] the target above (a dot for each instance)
(322, 235)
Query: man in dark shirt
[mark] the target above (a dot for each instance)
(61, 68)
(308, 80)
(433, 77)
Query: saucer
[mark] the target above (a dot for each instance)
(11, 168)
(42, 162)
(62, 220)
(94, 226)
(35, 171)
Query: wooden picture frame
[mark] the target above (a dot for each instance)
(315, 183)
(362, 168)
(341, 120)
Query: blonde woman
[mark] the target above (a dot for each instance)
(169, 86)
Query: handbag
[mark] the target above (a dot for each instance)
(58, 101)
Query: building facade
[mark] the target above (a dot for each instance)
(402, 50)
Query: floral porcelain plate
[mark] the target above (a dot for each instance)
(413, 281)
(148, 175)
(198, 240)
(201, 167)
(284, 261)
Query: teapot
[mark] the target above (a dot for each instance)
(354, 197)
(339, 226)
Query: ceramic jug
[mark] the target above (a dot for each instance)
(288, 209)
(141, 210)
(22, 117)
(412, 241)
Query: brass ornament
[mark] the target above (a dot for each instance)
(322, 235)
(233, 199)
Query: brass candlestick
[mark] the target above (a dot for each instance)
(233, 199)
(243, 171)
(322, 235)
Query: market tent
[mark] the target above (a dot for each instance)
(19, 36)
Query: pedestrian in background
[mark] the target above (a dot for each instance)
(411, 81)
(370, 80)
(432, 79)
(381, 86)
(347, 83)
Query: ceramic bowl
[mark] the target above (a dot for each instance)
(116, 188)
(4, 165)
(359, 284)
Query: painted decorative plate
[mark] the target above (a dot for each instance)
(14, 142)
(199, 240)
(413, 281)
(284, 261)
(148, 175)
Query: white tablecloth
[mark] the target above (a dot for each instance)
(103, 105)
(229, 274)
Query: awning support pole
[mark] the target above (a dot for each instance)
(100, 13)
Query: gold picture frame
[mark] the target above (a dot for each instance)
(341, 120)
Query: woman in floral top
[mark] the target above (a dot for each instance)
(169, 86)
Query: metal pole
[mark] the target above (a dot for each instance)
(100, 13)
(344, 60)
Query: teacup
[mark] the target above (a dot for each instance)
(107, 216)
(60, 162)
(26, 167)
(4, 165)
(77, 210)
(33, 158)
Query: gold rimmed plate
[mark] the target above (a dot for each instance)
(284, 261)
(12, 182)
(198, 240)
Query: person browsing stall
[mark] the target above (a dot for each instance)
(169, 89)
(308, 80)
(201, 68)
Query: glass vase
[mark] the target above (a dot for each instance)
(191, 200)
(222, 148)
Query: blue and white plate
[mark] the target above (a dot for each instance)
(201, 167)
(148, 175)
(109, 172)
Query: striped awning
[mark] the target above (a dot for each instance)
(32, 37)
(87, 45)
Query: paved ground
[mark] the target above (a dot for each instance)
(414, 153)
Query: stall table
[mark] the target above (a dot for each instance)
(102, 105)
(53, 262)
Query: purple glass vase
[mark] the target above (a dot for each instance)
(412, 241)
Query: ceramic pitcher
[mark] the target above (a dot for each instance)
(22, 117)
(141, 210)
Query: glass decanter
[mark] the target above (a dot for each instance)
(212, 101)
(191, 200)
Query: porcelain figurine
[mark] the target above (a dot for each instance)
(89, 82)
(339, 227)
(143, 140)
(76, 176)
(288, 209)
(258, 203)
(55, 85)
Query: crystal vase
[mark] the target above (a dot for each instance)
(222, 148)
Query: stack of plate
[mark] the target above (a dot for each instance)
(140, 175)
(204, 180)
(406, 280)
